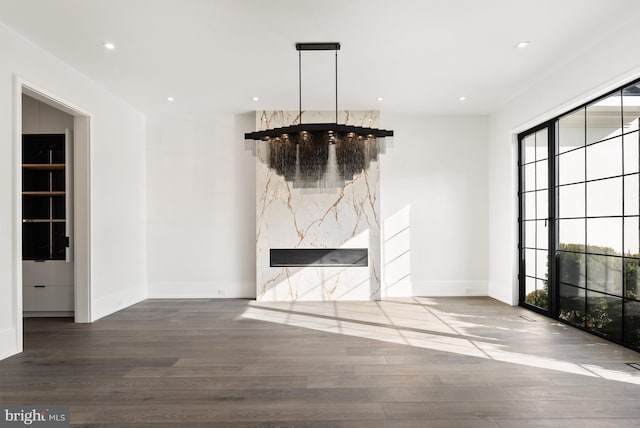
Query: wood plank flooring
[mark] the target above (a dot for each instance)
(411, 362)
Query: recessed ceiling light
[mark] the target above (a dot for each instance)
(255, 99)
(523, 44)
(380, 99)
(462, 98)
(109, 45)
(169, 98)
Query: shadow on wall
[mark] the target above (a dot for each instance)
(396, 254)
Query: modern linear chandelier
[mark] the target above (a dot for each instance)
(319, 132)
(303, 148)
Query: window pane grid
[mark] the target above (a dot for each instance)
(597, 216)
(593, 216)
(634, 134)
(572, 183)
(598, 254)
(566, 284)
(594, 143)
(630, 174)
(534, 173)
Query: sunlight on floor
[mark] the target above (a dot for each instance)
(419, 323)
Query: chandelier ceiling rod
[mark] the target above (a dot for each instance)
(318, 132)
(331, 46)
(300, 87)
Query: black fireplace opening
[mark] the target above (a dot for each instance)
(319, 257)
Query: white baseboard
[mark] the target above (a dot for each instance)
(214, 290)
(450, 288)
(47, 314)
(201, 290)
(8, 345)
(115, 302)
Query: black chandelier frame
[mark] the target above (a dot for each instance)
(317, 128)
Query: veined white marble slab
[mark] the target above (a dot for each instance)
(334, 214)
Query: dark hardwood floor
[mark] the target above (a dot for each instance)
(414, 362)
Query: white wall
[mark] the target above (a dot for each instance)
(434, 206)
(118, 269)
(201, 207)
(592, 71)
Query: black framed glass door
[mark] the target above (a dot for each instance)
(536, 217)
(579, 217)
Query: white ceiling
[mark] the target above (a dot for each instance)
(213, 56)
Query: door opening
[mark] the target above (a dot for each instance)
(52, 233)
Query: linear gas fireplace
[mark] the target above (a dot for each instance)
(320, 257)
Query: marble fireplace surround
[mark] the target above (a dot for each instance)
(330, 213)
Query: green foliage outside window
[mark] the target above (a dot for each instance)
(599, 312)
(539, 298)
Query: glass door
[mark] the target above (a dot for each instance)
(536, 217)
(579, 217)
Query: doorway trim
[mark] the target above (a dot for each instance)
(82, 203)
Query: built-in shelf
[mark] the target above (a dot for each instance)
(44, 167)
(43, 193)
(44, 212)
